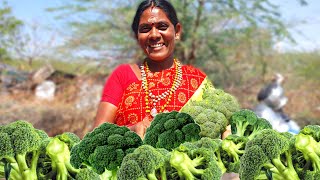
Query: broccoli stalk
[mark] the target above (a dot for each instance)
(246, 123)
(233, 146)
(59, 153)
(308, 142)
(271, 151)
(21, 147)
(196, 160)
(185, 166)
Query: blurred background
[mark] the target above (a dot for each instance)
(56, 55)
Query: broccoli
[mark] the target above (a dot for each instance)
(20, 148)
(87, 174)
(146, 162)
(58, 149)
(169, 130)
(307, 143)
(246, 123)
(212, 111)
(196, 160)
(103, 149)
(233, 148)
(268, 154)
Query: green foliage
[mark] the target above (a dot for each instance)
(9, 26)
(169, 130)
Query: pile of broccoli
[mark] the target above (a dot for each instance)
(27, 153)
(275, 155)
(172, 149)
(212, 110)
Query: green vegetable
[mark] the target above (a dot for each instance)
(233, 148)
(212, 110)
(307, 143)
(246, 123)
(146, 162)
(87, 174)
(58, 149)
(103, 149)
(169, 130)
(196, 160)
(20, 148)
(268, 154)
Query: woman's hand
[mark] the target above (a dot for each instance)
(141, 127)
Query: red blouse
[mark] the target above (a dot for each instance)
(124, 90)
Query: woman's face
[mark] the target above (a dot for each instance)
(156, 34)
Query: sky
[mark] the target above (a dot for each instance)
(305, 20)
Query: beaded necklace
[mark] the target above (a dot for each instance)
(156, 98)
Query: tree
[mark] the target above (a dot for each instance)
(212, 30)
(9, 25)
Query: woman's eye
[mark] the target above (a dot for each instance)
(144, 29)
(163, 27)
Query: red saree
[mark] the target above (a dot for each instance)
(132, 106)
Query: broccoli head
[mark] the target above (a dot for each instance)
(246, 123)
(103, 149)
(213, 111)
(269, 153)
(146, 162)
(196, 160)
(21, 146)
(169, 130)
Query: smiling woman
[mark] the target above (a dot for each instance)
(135, 93)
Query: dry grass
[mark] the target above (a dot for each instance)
(54, 117)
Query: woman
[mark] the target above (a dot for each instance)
(135, 93)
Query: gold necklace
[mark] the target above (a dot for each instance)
(156, 98)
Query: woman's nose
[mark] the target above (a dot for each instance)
(154, 33)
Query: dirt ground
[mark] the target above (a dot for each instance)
(62, 115)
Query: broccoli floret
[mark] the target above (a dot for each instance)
(307, 142)
(146, 162)
(233, 146)
(246, 123)
(21, 147)
(213, 111)
(87, 174)
(195, 160)
(169, 130)
(103, 149)
(268, 151)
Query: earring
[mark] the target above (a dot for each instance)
(177, 37)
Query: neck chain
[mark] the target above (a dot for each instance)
(156, 98)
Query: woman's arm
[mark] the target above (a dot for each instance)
(106, 113)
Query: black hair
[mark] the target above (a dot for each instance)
(166, 6)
